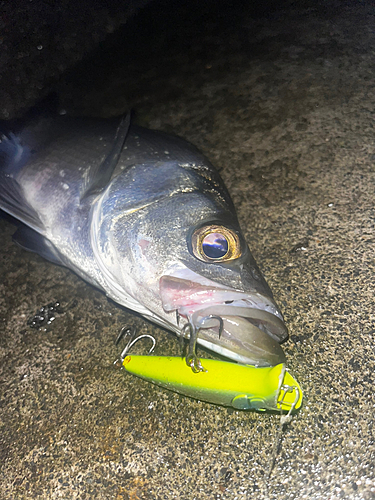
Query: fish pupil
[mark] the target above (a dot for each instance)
(215, 246)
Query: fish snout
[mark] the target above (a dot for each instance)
(244, 327)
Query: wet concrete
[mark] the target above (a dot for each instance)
(283, 104)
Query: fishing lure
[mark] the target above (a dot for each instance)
(242, 387)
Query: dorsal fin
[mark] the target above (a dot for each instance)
(100, 178)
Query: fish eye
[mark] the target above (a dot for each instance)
(215, 244)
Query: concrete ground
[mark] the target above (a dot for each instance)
(282, 102)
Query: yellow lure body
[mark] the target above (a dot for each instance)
(243, 387)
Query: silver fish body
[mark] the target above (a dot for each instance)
(146, 218)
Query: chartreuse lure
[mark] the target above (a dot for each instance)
(243, 387)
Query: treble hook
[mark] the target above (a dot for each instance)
(213, 316)
(192, 359)
(187, 326)
(132, 331)
(125, 330)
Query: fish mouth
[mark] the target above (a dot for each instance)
(246, 327)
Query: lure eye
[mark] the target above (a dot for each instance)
(215, 244)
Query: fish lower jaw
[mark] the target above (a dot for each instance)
(245, 335)
(269, 322)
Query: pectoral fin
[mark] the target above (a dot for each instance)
(30, 240)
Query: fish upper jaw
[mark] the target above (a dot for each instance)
(191, 297)
(245, 327)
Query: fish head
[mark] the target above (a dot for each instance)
(167, 238)
(221, 292)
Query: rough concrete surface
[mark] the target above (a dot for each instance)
(283, 103)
